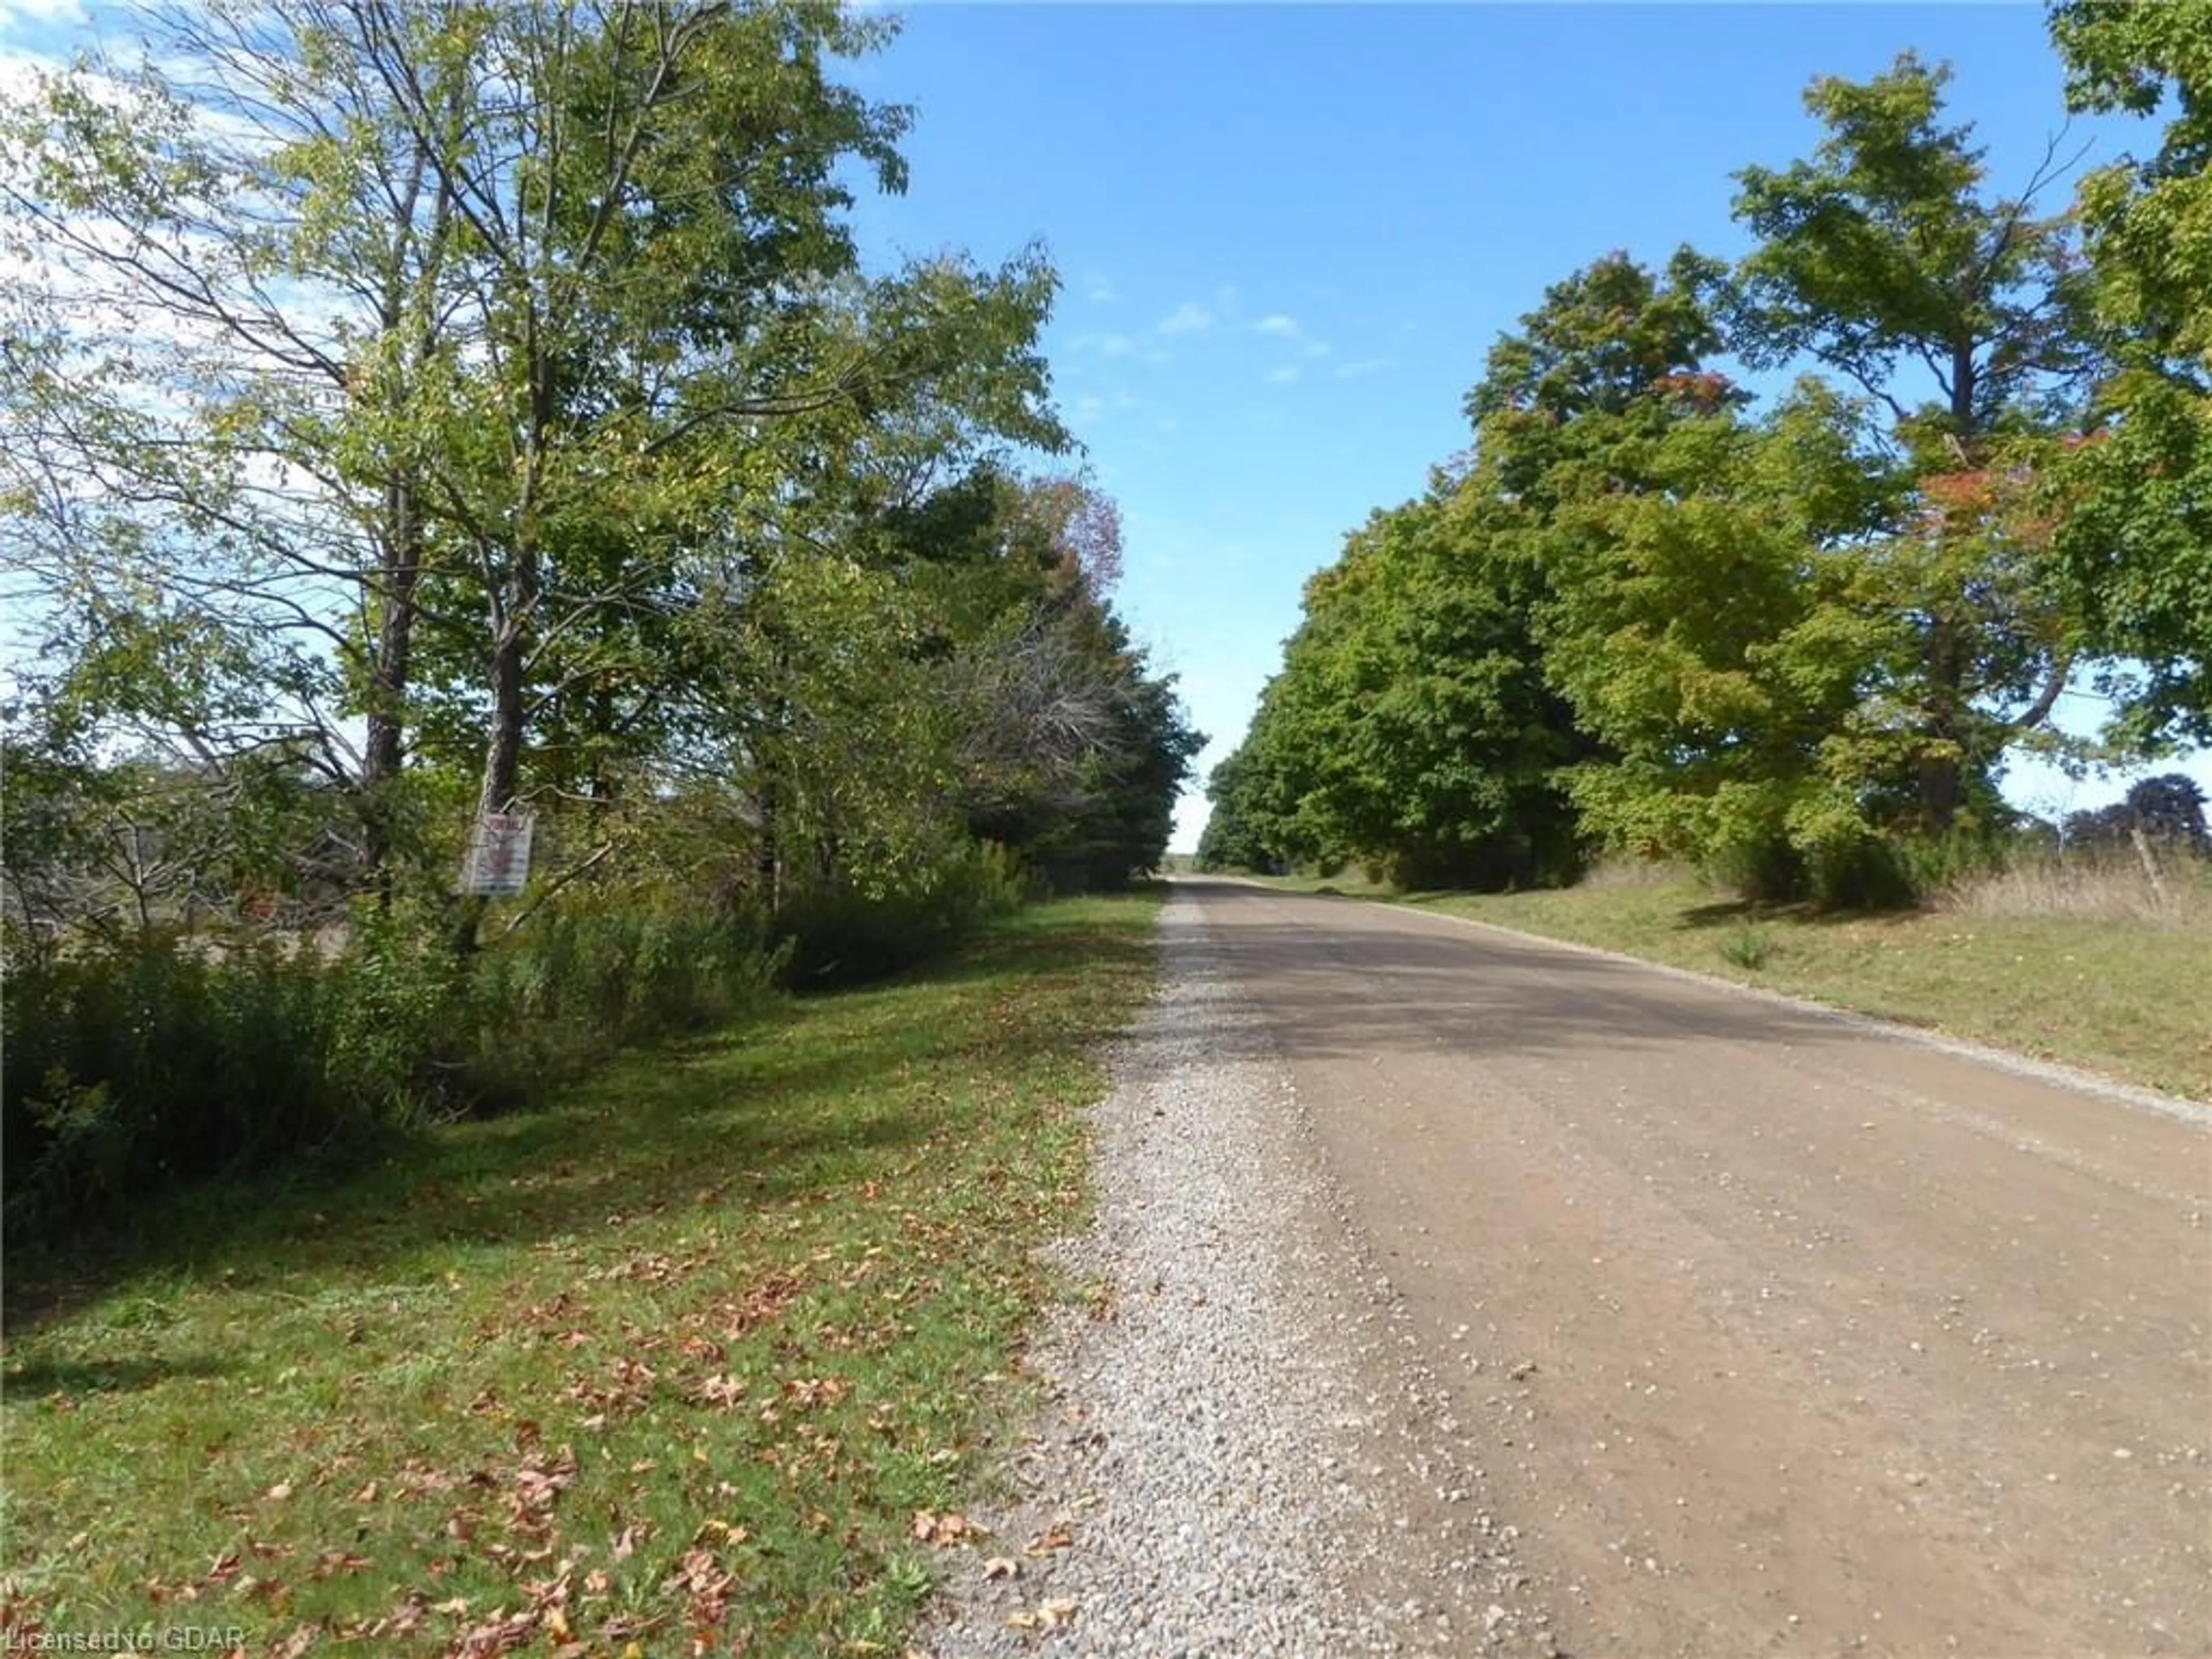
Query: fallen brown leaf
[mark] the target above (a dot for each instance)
(723, 1391)
(805, 1392)
(944, 1530)
(501, 1633)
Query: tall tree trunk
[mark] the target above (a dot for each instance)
(389, 668)
(502, 767)
(406, 310)
(513, 604)
(768, 786)
(1942, 766)
(1965, 383)
(1941, 780)
(767, 862)
(1943, 773)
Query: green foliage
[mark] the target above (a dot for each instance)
(1410, 727)
(1883, 258)
(163, 1058)
(2167, 809)
(1792, 646)
(1232, 840)
(609, 970)
(838, 937)
(1880, 250)
(616, 484)
(2136, 532)
(137, 1066)
(1747, 946)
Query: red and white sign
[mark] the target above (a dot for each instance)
(498, 864)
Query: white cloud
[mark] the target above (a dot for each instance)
(1094, 406)
(1281, 325)
(1188, 317)
(22, 13)
(1285, 375)
(1099, 290)
(1093, 347)
(1359, 366)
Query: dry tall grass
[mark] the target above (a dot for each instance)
(2106, 885)
(1620, 870)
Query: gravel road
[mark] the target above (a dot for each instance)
(1245, 1453)
(1460, 1293)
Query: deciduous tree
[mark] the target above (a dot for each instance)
(2137, 534)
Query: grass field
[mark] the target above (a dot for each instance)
(707, 1356)
(2111, 992)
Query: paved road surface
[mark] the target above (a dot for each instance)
(1783, 1336)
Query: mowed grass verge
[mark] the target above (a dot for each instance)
(669, 1369)
(2115, 996)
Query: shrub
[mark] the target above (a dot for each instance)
(154, 1061)
(1861, 873)
(1503, 862)
(140, 1064)
(1764, 869)
(1748, 947)
(838, 936)
(141, 1061)
(604, 971)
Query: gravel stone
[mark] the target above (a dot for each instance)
(1242, 1442)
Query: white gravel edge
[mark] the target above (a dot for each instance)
(1243, 1450)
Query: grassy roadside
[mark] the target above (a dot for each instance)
(2122, 998)
(677, 1362)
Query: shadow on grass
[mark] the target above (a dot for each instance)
(766, 1112)
(1798, 913)
(1723, 912)
(84, 1376)
(1716, 913)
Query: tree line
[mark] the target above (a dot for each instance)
(417, 410)
(1792, 639)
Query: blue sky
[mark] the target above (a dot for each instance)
(1290, 232)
